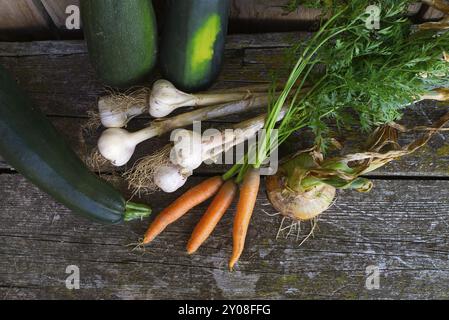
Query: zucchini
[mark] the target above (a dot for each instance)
(121, 38)
(32, 145)
(193, 42)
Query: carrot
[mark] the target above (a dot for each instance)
(182, 205)
(245, 208)
(214, 213)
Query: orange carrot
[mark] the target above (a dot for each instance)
(245, 208)
(214, 213)
(182, 205)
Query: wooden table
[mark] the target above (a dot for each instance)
(401, 227)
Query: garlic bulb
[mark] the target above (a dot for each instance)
(187, 150)
(170, 178)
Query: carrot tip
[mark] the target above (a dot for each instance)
(146, 240)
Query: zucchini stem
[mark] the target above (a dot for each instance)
(134, 211)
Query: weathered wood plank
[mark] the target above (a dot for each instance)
(22, 19)
(433, 14)
(400, 227)
(57, 11)
(71, 47)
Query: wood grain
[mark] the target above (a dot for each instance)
(22, 19)
(400, 227)
(56, 9)
(45, 19)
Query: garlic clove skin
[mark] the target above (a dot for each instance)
(165, 98)
(111, 118)
(187, 150)
(117, 145)
(170, 178)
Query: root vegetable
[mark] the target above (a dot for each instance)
(213, 215)
(182, 205)
(245, 207)
(299, 205)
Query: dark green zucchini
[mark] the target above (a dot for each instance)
(122, 39)
(31, 144)
(193, 42)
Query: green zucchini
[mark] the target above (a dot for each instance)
(193, 42)
(122, 39)
(32, 145)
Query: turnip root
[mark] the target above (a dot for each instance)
(298, 204)
(305, 185)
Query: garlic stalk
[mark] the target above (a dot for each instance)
(190, 150)
(158, 172)
(118, 145)
(165, 98)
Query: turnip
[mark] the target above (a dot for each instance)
(305, 186)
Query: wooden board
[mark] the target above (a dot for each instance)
(22, 19)
(57, 11)
(400, 227)
(39, 19)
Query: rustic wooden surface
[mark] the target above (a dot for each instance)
(26, 20)
(402, 226)
(23, 19)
